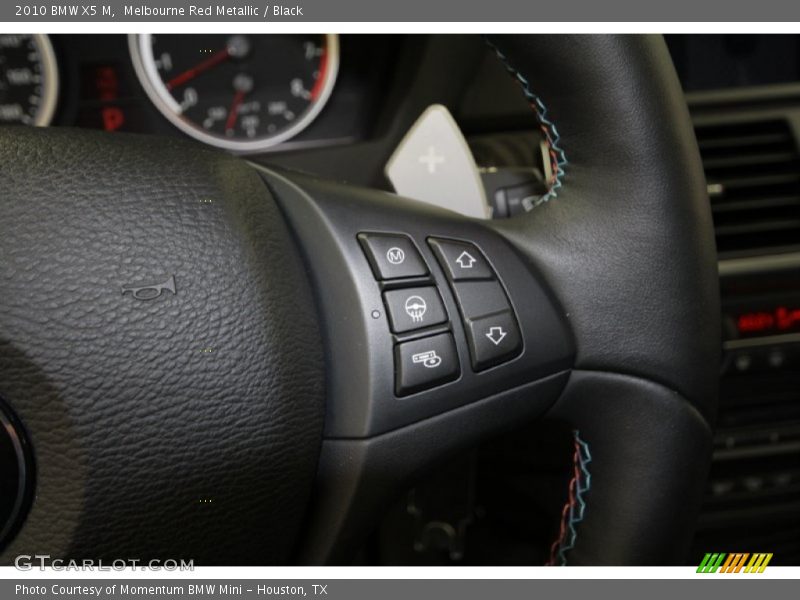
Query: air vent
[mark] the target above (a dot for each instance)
(753, 173)
(753, 495)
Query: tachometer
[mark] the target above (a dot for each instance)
(239, 92)
(28, 79)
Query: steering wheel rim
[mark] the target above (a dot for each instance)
(615, 269)
(647, 320)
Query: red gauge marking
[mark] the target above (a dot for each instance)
(189, 74)
(113, 118)
(233, 111)
(323, 72)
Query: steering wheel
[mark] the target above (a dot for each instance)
(212, 360)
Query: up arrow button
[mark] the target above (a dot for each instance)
(465, 260)
(462, 261)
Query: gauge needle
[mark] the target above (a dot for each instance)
(189, 74)
(233, 111)
(321, 72)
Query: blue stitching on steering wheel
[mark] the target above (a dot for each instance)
(558, 157)
(583, 485)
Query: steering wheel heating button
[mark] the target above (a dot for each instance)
(414, 308)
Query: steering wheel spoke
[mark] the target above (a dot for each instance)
(424, 311)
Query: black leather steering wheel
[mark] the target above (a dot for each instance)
(201, 360)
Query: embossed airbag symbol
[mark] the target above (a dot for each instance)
(150, 292)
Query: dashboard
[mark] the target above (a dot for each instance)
(213, 88)
(338, 105)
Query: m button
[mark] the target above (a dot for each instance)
(392, 256)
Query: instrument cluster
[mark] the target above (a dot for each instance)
(241, 92)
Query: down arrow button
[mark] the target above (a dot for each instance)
(496, 335)
(493, 339)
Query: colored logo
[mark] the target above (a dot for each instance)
(734, 563)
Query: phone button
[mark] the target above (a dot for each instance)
(424, 363)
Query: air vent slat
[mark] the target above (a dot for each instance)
(746, 140)
(758, 227)
(739, 160)
(756, 180)
(753, 173)
(756, 203)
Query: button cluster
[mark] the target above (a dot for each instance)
(426, 361)
(492, 330)
(414, 304)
